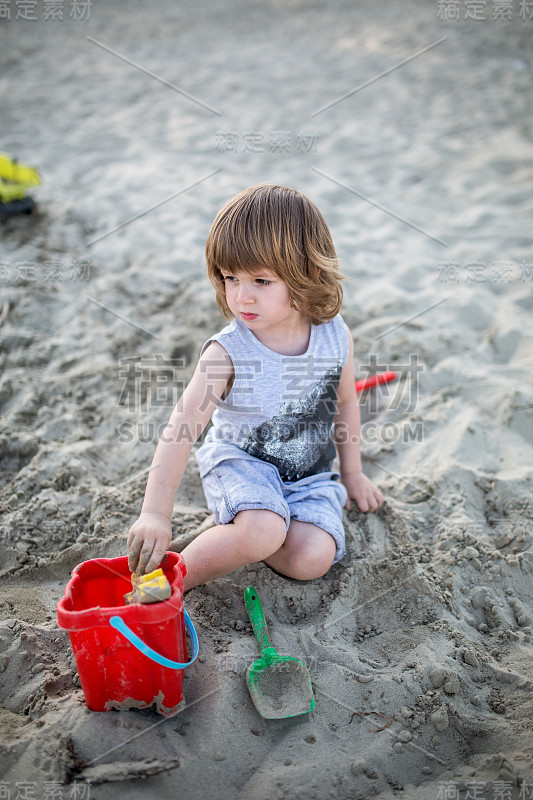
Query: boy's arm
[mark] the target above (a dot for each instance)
(347, 439)
(150, 535)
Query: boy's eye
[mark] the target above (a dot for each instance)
(228, 277)
(263, 281)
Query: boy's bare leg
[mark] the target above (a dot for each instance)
(252, 536)
(307, 552)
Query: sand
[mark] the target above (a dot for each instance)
(411, 131)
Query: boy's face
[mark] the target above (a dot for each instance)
(261, 299)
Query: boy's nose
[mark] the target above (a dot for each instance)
(245, 294)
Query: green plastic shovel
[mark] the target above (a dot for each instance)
(279, 686)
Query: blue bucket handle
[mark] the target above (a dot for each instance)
(119, 624)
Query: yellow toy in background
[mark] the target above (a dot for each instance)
(15, 180)
(150, 588)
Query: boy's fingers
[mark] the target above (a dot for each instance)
(134, 548)
(366, 501)
(145, 557)
(375, 503)
(363, 505)
(155, 559)
(152, 562)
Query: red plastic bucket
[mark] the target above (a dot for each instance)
(127, 656)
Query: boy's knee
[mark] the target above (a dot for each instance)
(310, 566)
(263, 526)
(309, 561)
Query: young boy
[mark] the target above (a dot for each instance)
(279, 385)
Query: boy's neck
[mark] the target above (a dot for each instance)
(292, 339)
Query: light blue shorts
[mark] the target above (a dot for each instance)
(238, 484)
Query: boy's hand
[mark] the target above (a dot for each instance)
(148, 540)
(361, 489)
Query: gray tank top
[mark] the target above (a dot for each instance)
(280, 408)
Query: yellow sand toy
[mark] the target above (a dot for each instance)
(15, 180)
(150, 588)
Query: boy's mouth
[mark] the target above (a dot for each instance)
(248, 317)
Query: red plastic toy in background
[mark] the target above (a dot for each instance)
(375, 380)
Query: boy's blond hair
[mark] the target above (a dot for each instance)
(276, 227)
